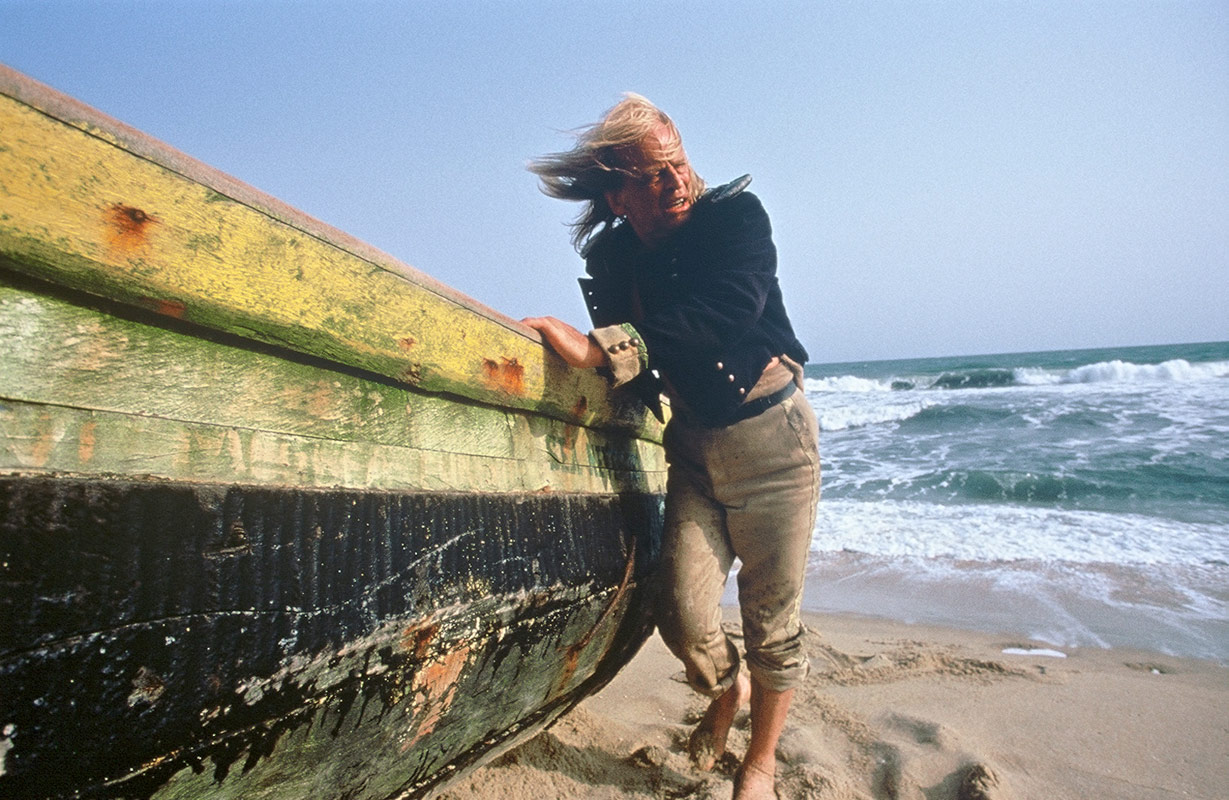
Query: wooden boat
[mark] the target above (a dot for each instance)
(281, 516)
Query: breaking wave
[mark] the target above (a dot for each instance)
(1175, 370)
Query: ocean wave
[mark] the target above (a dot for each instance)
(846, 383)
(957, 418)
(847, 417)
(975, 379)
(1176, 370)
(985, 485)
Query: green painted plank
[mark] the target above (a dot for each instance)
(36, 438)
(168, 403)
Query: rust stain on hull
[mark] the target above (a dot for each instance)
(167, 308)
(127, 227)
(506, 375)
(417, 639)
(86, 441)
(572, 432)
(572, 657)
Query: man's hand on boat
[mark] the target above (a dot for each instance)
(574, 347)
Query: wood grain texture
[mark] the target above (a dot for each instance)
(87, 392)
(81, 209)
(184, 640)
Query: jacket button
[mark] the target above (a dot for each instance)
(614, 348)
(741, 391)
(720, 365)
(731, 377)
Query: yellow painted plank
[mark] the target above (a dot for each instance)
(78, 207)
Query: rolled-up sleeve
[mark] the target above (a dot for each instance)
(624, 349)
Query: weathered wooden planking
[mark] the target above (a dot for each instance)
(351, 561)
(85, 391)
(195, 607)
(169, 640)
(88, 203)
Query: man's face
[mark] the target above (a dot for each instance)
(656, 197)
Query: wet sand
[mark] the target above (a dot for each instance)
(903, 711)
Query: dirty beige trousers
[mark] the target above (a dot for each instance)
(749, 491)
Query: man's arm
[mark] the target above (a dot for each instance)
(617, 347)
(572, 346)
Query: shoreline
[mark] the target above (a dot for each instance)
(1171, 609)
(902, 710)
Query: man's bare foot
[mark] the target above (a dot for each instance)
(980, 783)
(753, 782)
(707, 743)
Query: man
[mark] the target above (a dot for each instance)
(682, 288)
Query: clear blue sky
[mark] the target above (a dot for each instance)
(943, 177)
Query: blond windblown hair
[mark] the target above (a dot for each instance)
(598, 164)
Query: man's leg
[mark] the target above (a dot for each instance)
(757, 776)
(707, 742)
(696, 560)
(771, 519)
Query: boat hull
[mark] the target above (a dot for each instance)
(189, 640)
(281, 517)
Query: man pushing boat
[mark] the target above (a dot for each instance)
(683, 294)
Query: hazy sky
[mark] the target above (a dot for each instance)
(943, 177)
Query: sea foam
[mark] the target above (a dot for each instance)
(999, 533)
(1125, 372)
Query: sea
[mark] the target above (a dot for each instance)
(1078, 498)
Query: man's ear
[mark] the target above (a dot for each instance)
(614, 200)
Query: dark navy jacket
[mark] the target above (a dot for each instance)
(710, 309)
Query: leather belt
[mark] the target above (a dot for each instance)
(753, 408)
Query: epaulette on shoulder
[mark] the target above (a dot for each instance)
(727, 190)
(595, 240)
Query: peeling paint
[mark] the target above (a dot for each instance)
(147, 687)
(6, 744)
(436, 687)
(412, 374)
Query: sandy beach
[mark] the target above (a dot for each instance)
(903, 711)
